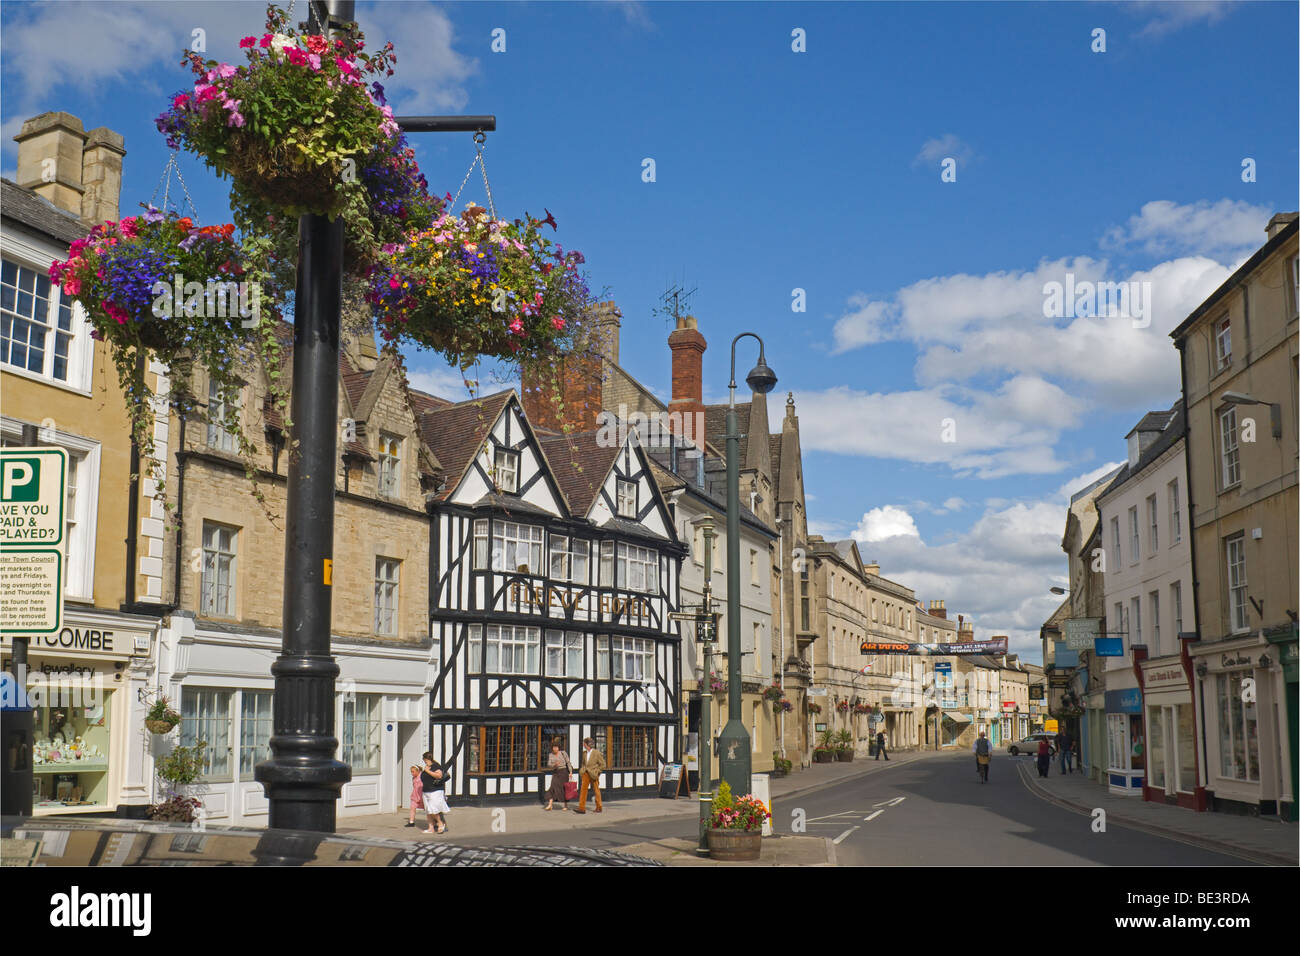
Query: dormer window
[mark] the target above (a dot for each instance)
(390, 466)
(505, 465)
(626, 499)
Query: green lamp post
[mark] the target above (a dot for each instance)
(734, 760)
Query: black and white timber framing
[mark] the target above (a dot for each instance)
(529, 650)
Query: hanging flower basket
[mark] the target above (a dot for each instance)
(773, 693)
(842, 707)
(161, 718)
(470, 285)
(813, 708)
(158, 284)
(783, 706)
(716, 684)
(293, 125)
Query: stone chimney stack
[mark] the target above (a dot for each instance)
(1279, 222)
(101, 174)
(608, 328)
(937, 609)
(78, 172)
(872, 568)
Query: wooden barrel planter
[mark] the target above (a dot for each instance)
(735, 845)
(823, 756)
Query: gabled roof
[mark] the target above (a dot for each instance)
(580, 463)
(25, 208)
(454, 433)
(354, 380)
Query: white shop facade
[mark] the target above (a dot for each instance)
(219, 679)
(85, 682)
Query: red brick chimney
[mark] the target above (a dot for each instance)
(937, 609)
(688, 347)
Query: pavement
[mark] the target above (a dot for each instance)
(1258, 839)
(477, 823)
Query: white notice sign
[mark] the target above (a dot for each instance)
(33, 489)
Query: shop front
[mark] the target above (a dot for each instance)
(83, 682)
(1285, 646)
(1171, 765)
(1249, 759)
(1125, 741)
(219, 679)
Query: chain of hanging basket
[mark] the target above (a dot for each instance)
(479, 139)
(165, 184)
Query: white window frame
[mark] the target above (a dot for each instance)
(211, 562)
(1222, 343)
(632, 557)
(1229, 451)
(1175, 514)
(512, 536)
(631, 658)
(563, 654)
(565, 553)
(487, 644)
(1135, 611)
(84, 457)
(390, 465)
(1230, 706)
(625, 493)
(218, 437)
(387, 601)
(1153, 600)
(1235, 556)
(1176, 598)
(1116, 544)
(505, 470)
(1153, 521)
(360, 751)
(211, 729)
(254, 731)
(753, 568)
(1134, 543)
(26, 255)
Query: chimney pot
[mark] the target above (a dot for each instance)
(688, 346)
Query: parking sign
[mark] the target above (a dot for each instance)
(33, 490)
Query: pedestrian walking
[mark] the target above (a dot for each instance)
(1044, 757)
(880, 745)
(417, 794)
(1063, 745)
(593, 762)
(435, 801)
(983, 751)
(560, 767)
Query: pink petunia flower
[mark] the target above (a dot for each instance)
(394, 283)
(517, 327)
(265, 41)
(181, 100)
(235, 119)
(247, 42)
(313, 60)
(558, 323)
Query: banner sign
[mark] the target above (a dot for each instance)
(1080, 632)
(996, 646)
(1128, 701)
(1037, 692)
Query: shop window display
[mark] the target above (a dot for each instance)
(70, 754)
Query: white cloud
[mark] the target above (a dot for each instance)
(936, 150)
(887, 522)
(1226, 229)
(1084, 480)
(89, 47)
(441, 382)
(951, 504)
(430, 75)
(870, 322)
(997, 572)
(1174, 16)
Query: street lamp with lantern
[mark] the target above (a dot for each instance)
(734, 759)
(1274, 409)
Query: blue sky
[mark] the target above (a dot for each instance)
(820, 171)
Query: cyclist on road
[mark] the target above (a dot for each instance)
(982, 748)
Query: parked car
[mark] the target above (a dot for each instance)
(1030, 744)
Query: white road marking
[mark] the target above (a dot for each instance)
(839, 839)
(890, 803)
(872, 817)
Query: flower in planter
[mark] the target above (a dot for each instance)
(716, 683)
(156, 283)
(291, 125)
(740, 813)
(470, 285)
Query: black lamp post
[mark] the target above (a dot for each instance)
(303, 779)
(734, 760)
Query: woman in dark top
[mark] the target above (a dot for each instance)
(435, 799)
(558, 764)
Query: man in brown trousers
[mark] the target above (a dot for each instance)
(592, 764)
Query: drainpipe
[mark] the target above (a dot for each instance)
(180, 508)
(780, 603)
(133, 507)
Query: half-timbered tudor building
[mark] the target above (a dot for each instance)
(554, 566)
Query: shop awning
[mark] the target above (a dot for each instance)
(956, 716)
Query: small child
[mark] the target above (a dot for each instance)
(417, 794)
